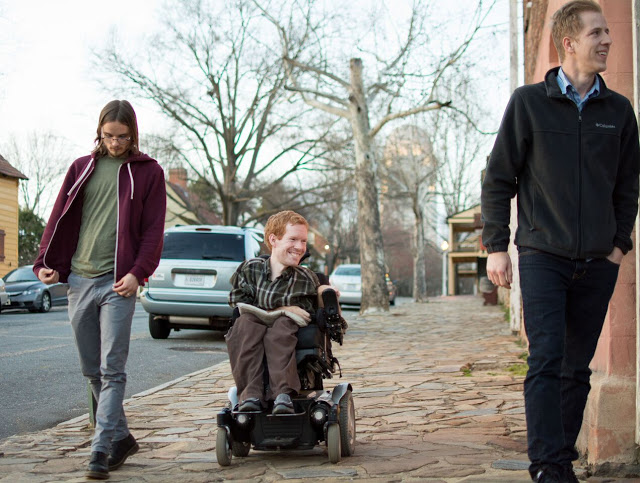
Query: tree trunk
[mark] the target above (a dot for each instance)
(375, 297)
(419, 247)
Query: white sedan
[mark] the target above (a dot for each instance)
(348, 279)
(4, 296)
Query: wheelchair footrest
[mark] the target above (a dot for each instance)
(278, 442)
(285, 415)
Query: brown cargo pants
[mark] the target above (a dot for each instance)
(249, 342)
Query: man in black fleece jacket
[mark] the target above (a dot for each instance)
(568, 147)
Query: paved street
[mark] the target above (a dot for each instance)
(435, 401)
(41, 380)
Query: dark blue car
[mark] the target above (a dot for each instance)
(26, 291)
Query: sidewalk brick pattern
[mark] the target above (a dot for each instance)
(434, 402)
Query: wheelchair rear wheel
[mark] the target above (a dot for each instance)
(240, 448)
(223, 449)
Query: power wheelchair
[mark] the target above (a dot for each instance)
(320, 415)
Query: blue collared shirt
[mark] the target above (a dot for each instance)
(568, 90)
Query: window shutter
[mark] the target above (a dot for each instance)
(1, 245)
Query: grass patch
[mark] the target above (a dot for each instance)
(466, 372)
(518, 369)
(507, 313)
(523, 356)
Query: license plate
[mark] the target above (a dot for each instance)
(194, 280)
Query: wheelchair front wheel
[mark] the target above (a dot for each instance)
(333, 443)
(347, 421)
(223, 448)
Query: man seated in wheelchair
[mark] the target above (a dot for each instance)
(276, 285)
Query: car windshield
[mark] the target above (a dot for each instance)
(348, 271)
(23, 274)
(203, 246)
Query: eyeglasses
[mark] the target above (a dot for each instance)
(119, 139)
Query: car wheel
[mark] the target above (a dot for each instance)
(158, 328)
(45, 306)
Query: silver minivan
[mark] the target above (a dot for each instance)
(190, 288)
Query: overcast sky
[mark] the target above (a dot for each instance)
(45, 54)
(45, 58)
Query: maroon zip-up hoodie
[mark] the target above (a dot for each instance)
(141, 213)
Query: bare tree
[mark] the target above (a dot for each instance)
(218, 78)
(408, 173)
(337, 217)
(43, 157)
(405, 83)
(461, 151)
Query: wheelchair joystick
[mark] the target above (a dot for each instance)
(336, 325)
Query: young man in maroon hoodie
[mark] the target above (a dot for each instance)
(103, 238)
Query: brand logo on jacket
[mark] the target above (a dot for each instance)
(605, 126)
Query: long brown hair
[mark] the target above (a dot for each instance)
(122, 112)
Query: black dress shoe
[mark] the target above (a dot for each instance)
(98, 467)
(121, 450)
(570, 475)
(549, 474)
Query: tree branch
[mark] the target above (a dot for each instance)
(429, 106)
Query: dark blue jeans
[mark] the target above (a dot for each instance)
(565, 302)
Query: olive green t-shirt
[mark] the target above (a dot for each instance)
(95, 253)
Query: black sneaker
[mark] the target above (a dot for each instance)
(283, 405)
(98, 466)
(251, 404)
(121, 450)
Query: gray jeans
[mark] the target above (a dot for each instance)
(101, 321)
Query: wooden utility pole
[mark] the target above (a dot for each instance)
(515, 304)
(513, 42)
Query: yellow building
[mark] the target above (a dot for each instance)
(183, 206)
(9, 186)
(466, 256)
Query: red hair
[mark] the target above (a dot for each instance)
(277, 224)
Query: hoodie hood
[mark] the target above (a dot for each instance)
(140, 157)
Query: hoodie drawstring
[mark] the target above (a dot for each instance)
(131, 178)
(82, 176)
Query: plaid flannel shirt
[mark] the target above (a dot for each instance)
(251, 284)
